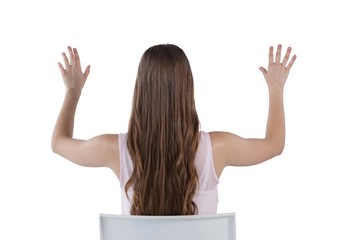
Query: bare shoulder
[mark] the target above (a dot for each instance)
(112, 149)
(218, 141)
(104, 151)
(232, 150)
(99, 151)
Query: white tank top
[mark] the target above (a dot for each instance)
(206, 198)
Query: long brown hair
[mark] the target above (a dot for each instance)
(163, 135)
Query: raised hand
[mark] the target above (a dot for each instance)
(74, 78)
(278, 71)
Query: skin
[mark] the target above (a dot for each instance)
(228, 149)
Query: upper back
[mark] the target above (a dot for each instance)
(206, 198)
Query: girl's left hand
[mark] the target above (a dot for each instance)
(73, 77)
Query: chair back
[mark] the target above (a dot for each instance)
(189, 227)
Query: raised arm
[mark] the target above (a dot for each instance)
(232, 150)
(100, 151)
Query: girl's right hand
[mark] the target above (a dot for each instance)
(277, 71)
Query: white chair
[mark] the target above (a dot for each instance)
(189, 227)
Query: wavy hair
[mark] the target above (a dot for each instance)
(163, 135)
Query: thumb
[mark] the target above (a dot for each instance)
(87, 71)
(263, 71)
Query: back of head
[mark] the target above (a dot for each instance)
(163, 134)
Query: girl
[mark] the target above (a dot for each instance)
(165, 164)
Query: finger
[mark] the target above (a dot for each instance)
(71, 55)
(287, 55)
(76, 57)
(62, 70)
(278, 54)
(291, 62)
(87, 72)
(66, 61)
(263, 71)
(271, 55)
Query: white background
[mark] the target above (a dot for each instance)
(311, 191)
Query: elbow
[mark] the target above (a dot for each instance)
(276, 144)
(278, 150)
(54, 145)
